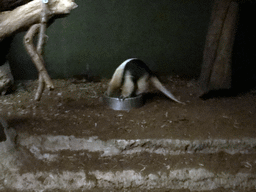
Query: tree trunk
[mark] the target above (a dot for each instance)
(221, 76)
(216, 67)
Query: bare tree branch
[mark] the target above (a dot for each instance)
(41, 41)
(37, 58)
(24, 16)
(31, 14)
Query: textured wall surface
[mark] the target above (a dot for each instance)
(168, 35)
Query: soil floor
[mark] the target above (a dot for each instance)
(75, 108)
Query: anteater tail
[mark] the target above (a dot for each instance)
(155, 81)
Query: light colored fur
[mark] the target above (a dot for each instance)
(155, 81)
(116, 80)
(142, 84)
(128, 86)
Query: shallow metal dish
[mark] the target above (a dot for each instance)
(123, 104)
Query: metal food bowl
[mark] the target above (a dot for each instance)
(123, 104)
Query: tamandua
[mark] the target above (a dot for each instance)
(132, 77)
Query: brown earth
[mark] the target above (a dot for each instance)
(75, 108)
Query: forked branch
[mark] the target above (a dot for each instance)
(41, 41)
(35, 56)
(36, 52)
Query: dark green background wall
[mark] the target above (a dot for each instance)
(168, 35)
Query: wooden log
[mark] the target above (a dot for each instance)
(26, 15)
(221, 75)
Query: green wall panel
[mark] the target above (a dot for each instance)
(168, 35)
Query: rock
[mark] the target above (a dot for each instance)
(7, 137)
(6, 78)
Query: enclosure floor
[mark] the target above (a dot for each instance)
(70, 141)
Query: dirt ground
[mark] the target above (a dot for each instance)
(75, 108)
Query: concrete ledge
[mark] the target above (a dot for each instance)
(8, 153)
(50, 150)
(192, 179)
(47, 143)
(7, 142)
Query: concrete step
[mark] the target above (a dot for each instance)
(68, 163)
